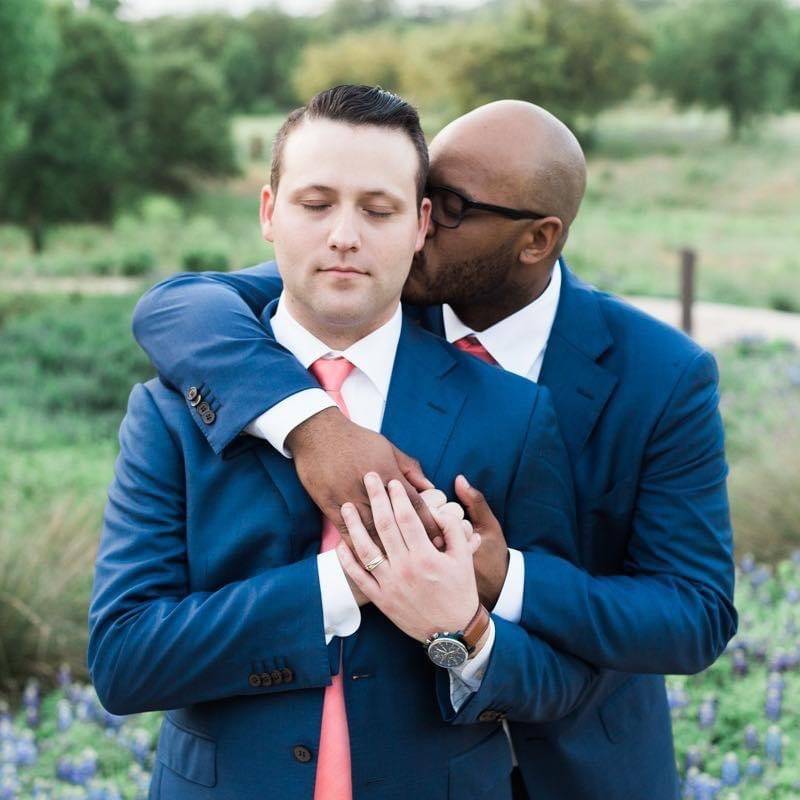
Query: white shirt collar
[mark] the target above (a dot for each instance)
(518, 340)
(373, 355)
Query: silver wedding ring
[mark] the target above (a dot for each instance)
(374, 563)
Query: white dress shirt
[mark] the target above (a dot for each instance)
(518, 344)
(364, 392)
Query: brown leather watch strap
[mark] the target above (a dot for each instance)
(476, 627)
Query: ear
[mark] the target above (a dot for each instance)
(542, 239)
(423, 222)
(265, 212)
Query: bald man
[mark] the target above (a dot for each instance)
(637, 406)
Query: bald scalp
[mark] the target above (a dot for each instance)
(522, 149)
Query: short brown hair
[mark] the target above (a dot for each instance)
(357, 105)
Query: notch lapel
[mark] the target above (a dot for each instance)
(422, 407)
(580, 387)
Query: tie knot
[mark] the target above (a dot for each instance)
(470, 344)
(331, 372)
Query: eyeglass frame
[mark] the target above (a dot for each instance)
(503, 211)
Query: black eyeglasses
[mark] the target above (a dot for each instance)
(449, 207)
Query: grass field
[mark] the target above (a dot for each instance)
(659, 181)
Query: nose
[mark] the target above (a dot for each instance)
(344, 235)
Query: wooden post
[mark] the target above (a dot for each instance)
(688, 261)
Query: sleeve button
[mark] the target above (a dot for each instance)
(192, 393)
(287, 675)
(254, 680)
(276, 676)
(266, 679)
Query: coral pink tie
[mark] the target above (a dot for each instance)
(470, 344)
(334, 780)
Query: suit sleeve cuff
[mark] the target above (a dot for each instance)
(509, 604)
(278, 422)
(340, 612)
(466, 679)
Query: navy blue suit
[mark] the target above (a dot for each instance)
(637, 405)
(206, 598)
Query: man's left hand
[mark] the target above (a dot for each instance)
(420, 589)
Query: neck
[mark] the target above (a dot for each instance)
(338, 334)
(507, 301)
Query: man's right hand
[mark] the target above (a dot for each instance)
(332, 454)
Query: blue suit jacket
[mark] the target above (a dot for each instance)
(206, 597)
(637, 404)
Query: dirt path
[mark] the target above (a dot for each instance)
(717, 323)
(714, 323)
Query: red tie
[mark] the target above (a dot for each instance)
(470, 344)
(334, 780)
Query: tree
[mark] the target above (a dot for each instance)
(575, 57)
(279, 39)
(27, 44)
(736, 56)
(81, 148)
(373, 58)
(348, 15)
(187, 124)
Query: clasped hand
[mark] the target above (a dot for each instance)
(420, 588)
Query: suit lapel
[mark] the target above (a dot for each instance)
(281, 470)
(422, 406)
(579, 385)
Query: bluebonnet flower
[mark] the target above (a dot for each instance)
(706, 715)
(64, 716)
(773, 744)
(754, 768)
(751, 740)
(731, 774)
(772, 705)
(740, 665)
(747, 563)
(64, 676)
(694, 759)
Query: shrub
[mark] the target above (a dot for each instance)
(137, 262)
(201, 260)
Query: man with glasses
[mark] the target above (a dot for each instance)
(637, 405)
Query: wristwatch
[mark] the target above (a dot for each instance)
(450, 650)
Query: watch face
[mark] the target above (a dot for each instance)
(447, 653)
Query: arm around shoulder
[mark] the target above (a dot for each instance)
(203, 331)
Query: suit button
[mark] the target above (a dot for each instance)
(209, 417)
(488, 715)
(196, 401)
(203, 408)
(192, 393)
(266, 680)
(276, 676)
(302, 754)
(287, 675)
(254, 680)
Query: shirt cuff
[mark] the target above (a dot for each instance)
(509, 604)
(466, 679)
(278, 422)
(340, 613)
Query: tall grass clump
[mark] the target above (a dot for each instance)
(45, 581)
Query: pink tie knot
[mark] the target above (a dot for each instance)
(331, 372)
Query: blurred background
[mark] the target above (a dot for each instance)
(133, 144)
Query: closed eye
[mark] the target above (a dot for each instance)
(315, 206)
(378, 214)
